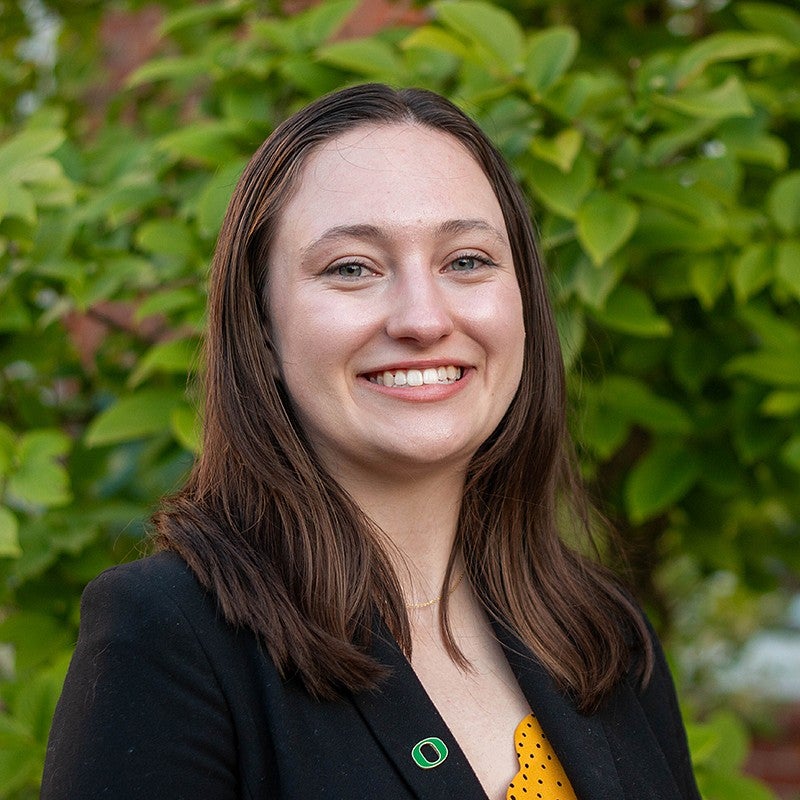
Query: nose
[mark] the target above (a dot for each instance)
(419, 309)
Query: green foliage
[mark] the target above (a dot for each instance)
(719, 748)
(664, 174)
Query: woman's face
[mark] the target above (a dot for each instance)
(395, 307)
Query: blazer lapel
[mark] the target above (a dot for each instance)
(579, 741)
(641, 763)
(401, 715)
(610, 755)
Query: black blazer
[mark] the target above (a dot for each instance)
(166, 701)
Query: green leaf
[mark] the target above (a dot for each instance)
(726, 46)
(207, 12)
(693, 359)
(660, 230)
(752, 271)
(34, 703)
(14, 314)
(8, 449)
(605, 221)
(725, 786)
(168, 68)
(211, 143)
(729, 99)
(167, 301)
(783, 202)
(630, 311)
(573, 96)
(9, 535)
(787, 265)
(667, 192)
(601, 432)
(42, 170)
(28, 146)
(746, 139)
(770, 18)
(17, 201)
(39, 479)
(632, 400)
(561, 150)
(299, 33)
(176, 356)
(666, 145)
(214, 198)
(781, 404)
(791, 453)
(772, 367)
(772, 330)
(370, 58)
(165, 237)
(13, 731)
(571, 333)
(20, 766)
(720, 743)
(491, 30)
(550, 54)
(708, 277)
(186, 428)
(309, 76)
(562, 192)
(146, 413)
(592, 284)
(318, 23)
(659, 480)
(429, 38)
(36, 637)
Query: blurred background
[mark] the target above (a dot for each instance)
(658, 142)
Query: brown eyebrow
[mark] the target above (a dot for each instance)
(377, 233)
(467, 225)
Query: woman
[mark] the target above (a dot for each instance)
(362, 591)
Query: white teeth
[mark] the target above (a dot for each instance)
(416, 377)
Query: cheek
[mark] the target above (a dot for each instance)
(498, 321)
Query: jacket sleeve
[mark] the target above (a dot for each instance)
(141, 715)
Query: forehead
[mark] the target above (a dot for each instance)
(391, 175)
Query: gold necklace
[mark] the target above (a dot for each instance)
(428, 603)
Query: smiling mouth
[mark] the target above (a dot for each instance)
(417, 377)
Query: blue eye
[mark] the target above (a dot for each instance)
(470, 263)
(349, 270)
(464, 264)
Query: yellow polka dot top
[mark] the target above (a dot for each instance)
(540, 776)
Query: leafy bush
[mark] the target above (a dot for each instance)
(663, 173)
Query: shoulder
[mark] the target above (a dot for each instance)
(137, 607)
(158, 584)
(161, 574)
(152, 653)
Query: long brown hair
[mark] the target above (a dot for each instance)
(284, 548)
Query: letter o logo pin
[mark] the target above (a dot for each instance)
(431, 743)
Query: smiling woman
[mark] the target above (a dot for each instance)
(392, 258)
(362, 591)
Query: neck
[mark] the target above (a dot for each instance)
(419, 516)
